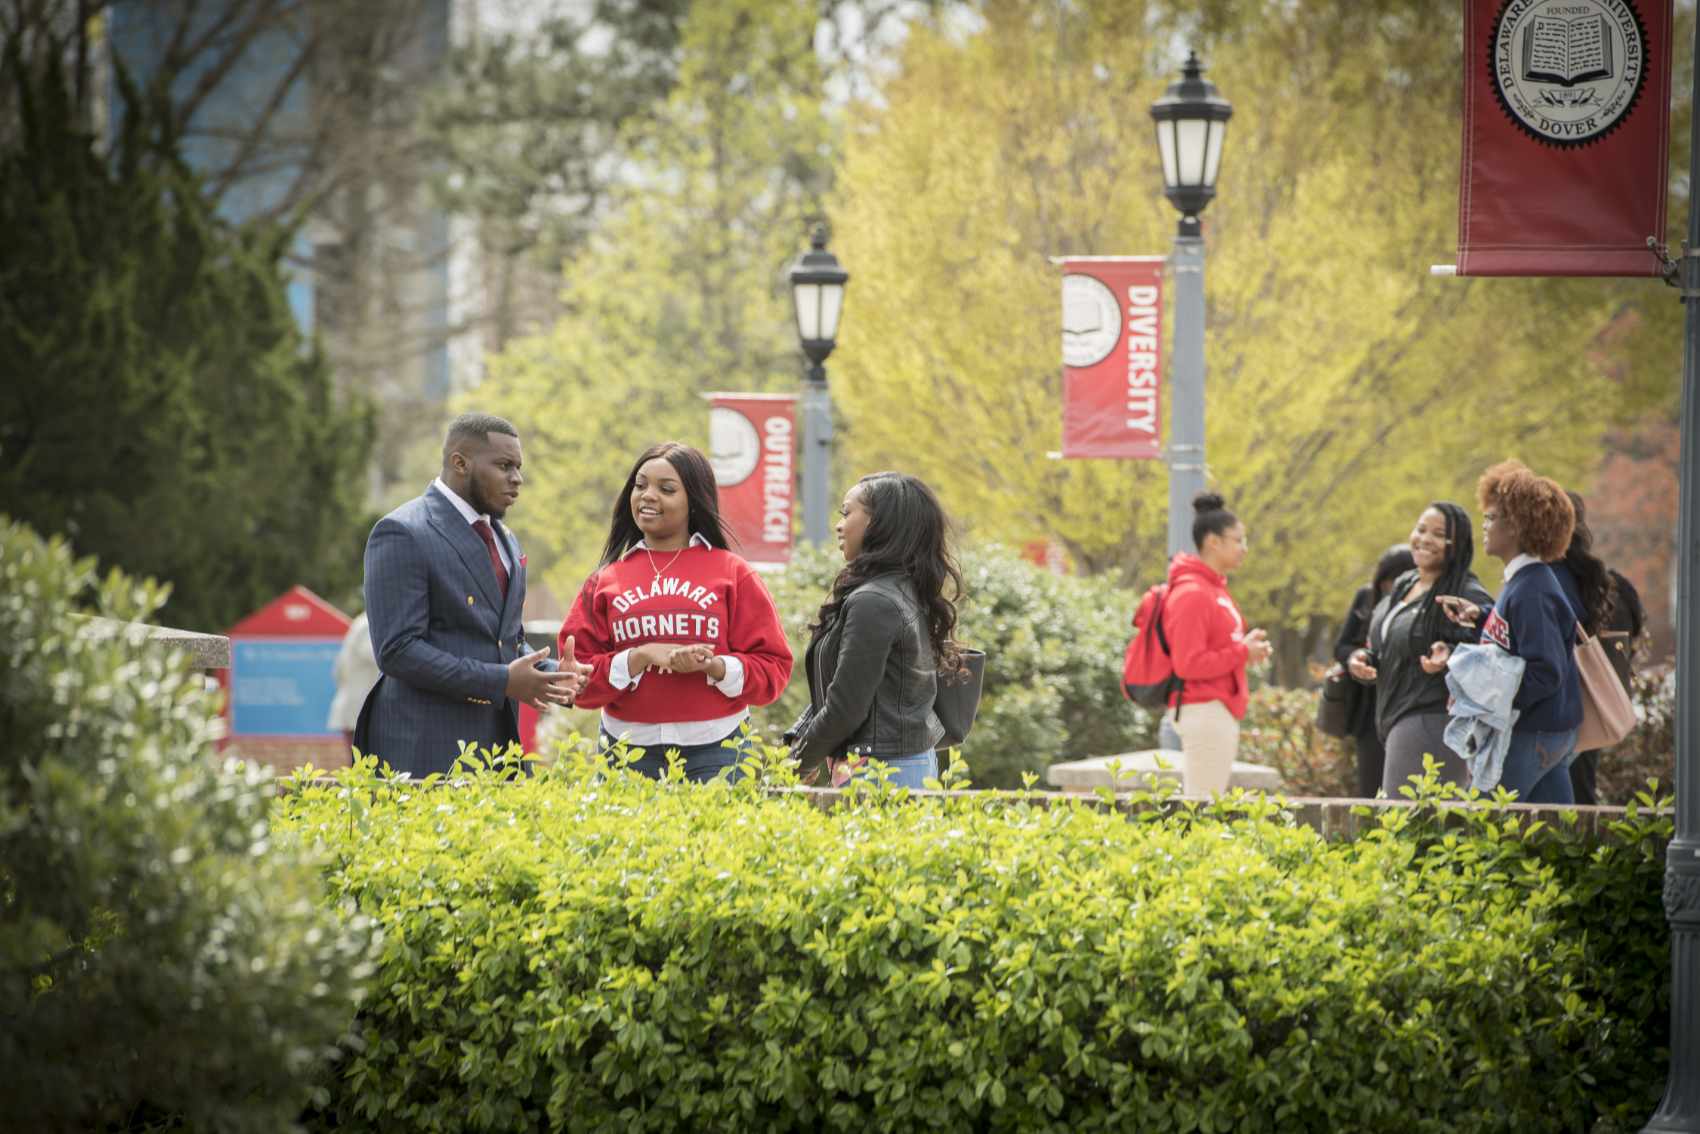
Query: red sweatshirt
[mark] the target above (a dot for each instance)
(1206, 635)
(706, 595)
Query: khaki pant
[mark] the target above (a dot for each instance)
(1210, 737)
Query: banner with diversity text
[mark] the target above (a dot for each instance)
(1566, 137)
(751, 445)
(1112, 346)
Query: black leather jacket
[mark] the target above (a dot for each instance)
(872, 679)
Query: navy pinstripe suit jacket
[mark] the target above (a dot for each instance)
(443, 637)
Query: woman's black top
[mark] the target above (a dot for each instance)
(1401, 686)
(1354, 634)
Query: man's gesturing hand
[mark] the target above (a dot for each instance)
(541, 688)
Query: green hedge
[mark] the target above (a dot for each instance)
(1054, 649)
(162, 959)
(589, 952)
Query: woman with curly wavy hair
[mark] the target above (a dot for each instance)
(1527, 521)
(882, 636)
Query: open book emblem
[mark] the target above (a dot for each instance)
(1091, 320)
(1568, 71)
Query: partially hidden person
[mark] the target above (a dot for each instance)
(1409, 636)
(1609, 608)
(1527, 522)
(881, 638)
(355, 672)
(445, 588)
(678, 632)
(1354, 634)
(1210, 647)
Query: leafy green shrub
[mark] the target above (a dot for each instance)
(1054, 651)
(161, 957)
(1279, 730)
(585, 951)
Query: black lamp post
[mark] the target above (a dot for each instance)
(1192, 121)
(817, 293)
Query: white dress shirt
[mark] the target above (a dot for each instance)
(472, 516)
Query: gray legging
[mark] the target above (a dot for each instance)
(1412, 736)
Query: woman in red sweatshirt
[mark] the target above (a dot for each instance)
(1209, 645)
(680, 633)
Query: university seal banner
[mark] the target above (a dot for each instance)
(751, 445)
(1112, 346)
(1566, 132)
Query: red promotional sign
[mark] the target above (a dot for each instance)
(750, 444)
(1112, 343)
(1566, 137)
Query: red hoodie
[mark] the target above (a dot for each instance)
(1206, 635)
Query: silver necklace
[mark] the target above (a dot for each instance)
(660, 571)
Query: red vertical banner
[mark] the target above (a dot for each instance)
(1112, 345)
(1566, 137)
(751, 444)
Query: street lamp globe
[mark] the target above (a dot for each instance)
(817, 291)
(1192, 120)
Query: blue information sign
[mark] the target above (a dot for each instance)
(282, 688)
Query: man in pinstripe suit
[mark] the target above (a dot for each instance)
(445, 588)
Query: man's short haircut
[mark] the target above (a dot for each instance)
(473, 429)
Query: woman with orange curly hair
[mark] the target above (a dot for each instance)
(1527, 521)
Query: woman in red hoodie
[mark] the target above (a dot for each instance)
(1209, 645)
(680, 633)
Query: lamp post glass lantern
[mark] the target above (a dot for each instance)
(817, 298)
(1192, 123)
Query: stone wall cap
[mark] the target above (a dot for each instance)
(206, 651)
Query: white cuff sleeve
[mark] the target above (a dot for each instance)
(733, 683)
(620, 674)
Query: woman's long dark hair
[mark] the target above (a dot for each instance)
(696, 476)
(907, 533)
(1455, 577)
(1592, 579)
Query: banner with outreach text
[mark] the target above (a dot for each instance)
(1566, 137)
(1112, 345)
(750, 445)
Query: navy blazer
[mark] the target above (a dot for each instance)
(443, 637)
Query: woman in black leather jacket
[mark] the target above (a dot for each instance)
(881, 637)
(1354, 634)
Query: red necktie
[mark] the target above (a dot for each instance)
(482, 527)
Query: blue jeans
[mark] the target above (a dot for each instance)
(1537, 766)
(703, 762)
(906, 771)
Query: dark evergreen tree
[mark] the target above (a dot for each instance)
(158, 403)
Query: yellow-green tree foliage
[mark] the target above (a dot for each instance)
(683, 290)
(1346, 386)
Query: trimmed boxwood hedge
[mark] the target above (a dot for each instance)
(588, 951)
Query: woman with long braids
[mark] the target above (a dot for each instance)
(1407, 634)
(882, 636)
(680, 633)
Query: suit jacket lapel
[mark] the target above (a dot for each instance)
(473, 554)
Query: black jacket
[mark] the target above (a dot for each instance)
(872, 679)
(1401, 685)
(1354, 634)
